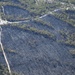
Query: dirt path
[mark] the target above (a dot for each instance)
(4, 54)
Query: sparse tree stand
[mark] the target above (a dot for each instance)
(5, 57)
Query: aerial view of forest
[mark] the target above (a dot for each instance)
(37, 37)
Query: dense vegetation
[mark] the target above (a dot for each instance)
(31, 5)
(35, 30)
(65, 16)
(53, 48)
(40, 7)
(67, 38)
(37, 20)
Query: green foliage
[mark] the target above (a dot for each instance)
(35, 30)
(66, 17)
(12, 4)
(37, 20)
(69, 38)
(40, 7)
